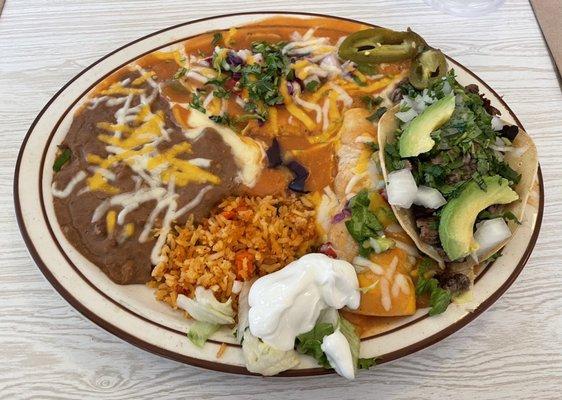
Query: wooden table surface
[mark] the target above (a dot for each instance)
(513, 351)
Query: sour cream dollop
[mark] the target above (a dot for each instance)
(286, 303)
(336, 348)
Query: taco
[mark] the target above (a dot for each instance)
(457, 176)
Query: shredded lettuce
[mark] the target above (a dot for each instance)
(206, 308)
(263, 359)
(380, 244)
(310, 343)
(200, 332)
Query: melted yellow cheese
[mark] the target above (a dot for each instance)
(273, 121)
(143, 134)
(353, 89)
(170, 55)
(229, 38)
(118, 88)
(363, 162)
(98, 182)
(143, 78)
(110, 220)
(129, 230)
(181, 170)
(293, 109)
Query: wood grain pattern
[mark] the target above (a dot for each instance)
(513, 351)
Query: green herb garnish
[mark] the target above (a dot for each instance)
(312, 86)
(221, 93)
(374, 117)
(180, 73)
(224, 119)
(462, 151)
(358, 81)
(217, 38)
(371, 102)
(196, 102)
(372, 146)
(366, 363)
(508, 216)
(310, 343)
(363, 224)
(439, 298)
(263, 80)
(62, 159)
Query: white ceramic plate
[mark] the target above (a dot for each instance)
(132, 313)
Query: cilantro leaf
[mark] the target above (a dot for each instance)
(221, 93)
(439, 298)
(180, 73)
(508, 215)
(312, 86)
(221, 119)
(196, 102)
(439, 301)
(363, 224)
(262, 80)
(217, 38)
(374, 117)
(371, 102)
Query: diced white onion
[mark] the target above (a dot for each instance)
(401, 188)
(501, 145)
(407, 116)
(489, 234)
(429, 197)
(497, 123)
(447, 88)
(427, 98)
(417, 104)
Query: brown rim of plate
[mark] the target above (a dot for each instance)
(217, 366)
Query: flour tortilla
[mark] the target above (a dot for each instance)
(523, 159)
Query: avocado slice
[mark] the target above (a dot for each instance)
(416, 138)
(456, 226)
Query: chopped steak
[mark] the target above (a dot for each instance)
(454, 282)
(428, 229)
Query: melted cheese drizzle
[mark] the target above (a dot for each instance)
(79, 177)
(132, 139)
